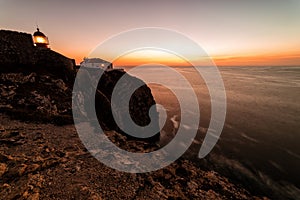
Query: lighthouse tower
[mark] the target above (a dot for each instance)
(40, 39)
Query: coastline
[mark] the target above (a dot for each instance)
(258, 145)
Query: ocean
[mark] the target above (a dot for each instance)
(259, 144)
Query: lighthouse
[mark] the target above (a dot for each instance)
(40, 39)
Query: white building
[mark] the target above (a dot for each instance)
(96, 63)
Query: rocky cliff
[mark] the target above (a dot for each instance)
(18, 54)
(40, 160)
(36, 84)
(48, 99)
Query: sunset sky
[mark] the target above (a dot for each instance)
(233, 32)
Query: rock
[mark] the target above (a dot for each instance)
(47, 98)
(37, 98)
(3, 168)
(22, 169)
(33, 167)
(96, 197)
(5, 158)
(35, 196)
(139, 105)
(68, 171)
(5, 188)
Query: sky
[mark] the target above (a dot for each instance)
(232, 32)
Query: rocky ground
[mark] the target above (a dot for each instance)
(42, 157)
(45, 161)
(39, 98)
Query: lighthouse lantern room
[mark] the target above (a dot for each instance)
(40, 40)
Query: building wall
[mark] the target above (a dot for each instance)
(97, 65)
(15, 48)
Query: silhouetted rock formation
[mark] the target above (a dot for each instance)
(36, 84)
(18, 54)
(47, 98)
(139, 105)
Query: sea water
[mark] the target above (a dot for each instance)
(261, 136)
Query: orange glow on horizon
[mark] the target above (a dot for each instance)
(140, 61)
(283, 59)
(150, 56)
(259, 60)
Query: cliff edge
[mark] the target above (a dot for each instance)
(40, 160)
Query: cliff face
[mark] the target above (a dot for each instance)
(139, 105)
(18, 54)
(47, 98)
(36, 84)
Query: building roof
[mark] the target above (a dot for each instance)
(38, 33)
(95, 60)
